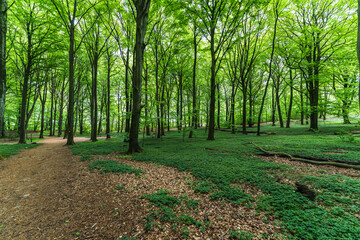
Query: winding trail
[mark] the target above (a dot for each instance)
(45, 193)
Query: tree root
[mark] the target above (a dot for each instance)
(303, 159)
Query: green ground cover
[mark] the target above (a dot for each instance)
(12, 149)
(219, 165)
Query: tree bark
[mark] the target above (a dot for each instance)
(211, 134)
(142, 12)
(70, 114)
(43, 102)
(25, 85)
(291, 100)
(358, 43)
(108, 102)
(270, 68)
(3, 31)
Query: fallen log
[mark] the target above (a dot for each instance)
(301, 159)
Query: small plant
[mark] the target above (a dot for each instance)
(113, 167)
(85, 158)
(185, 232)
(161, 198)
(188, 220)
(346, 136)
(120, 188)
(231, 194)
(192, 204)
(240, 235)
(204, 187)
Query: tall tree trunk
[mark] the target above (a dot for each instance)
(3, 30)
(81, 123)
(55, 116)
(194, 113)
(108, 102)
(250, 121)
(218, 101)
(277, 98)
(142, 10)
(25, 87)
(61, 108)
(43, 103)
(127, 95)
(147, 125)
(232, 107)
(270, 67)
(70, 114)
(211, 119)
(162, 111)
(358, 43)
(244, 112)
(302, 102)
(273, 106)
(291, 100)
(94, 105)
(77, 106)
(180, 115)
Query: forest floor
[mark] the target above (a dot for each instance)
(181, 188)
(47, 193)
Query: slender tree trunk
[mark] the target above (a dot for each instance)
(55, 117)
(244, 112)
(270, 67)
(25, 88)
(301, 102)
(94, 105)
(211, 119)
(273, 106)
(81, 124)
(108, 102)
(181, 102)
(77, 105)
(3, 30)
(218, 101)
(70, 114)
(232, 110)
(127, 95)
(194, 112)
(291, 99)
(61, 108)
(43, 103)
(250, 121)
(162, 111)
(142, 10)
(358, 43)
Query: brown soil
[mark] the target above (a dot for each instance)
(46, 193)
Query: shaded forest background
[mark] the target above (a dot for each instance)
(97, 67)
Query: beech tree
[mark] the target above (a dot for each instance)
(142, 13)
(3, 31)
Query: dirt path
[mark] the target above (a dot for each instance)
(47, 194)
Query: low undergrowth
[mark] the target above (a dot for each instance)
(7, 150)
(110, 166)
(335, 212)
(172, 210)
